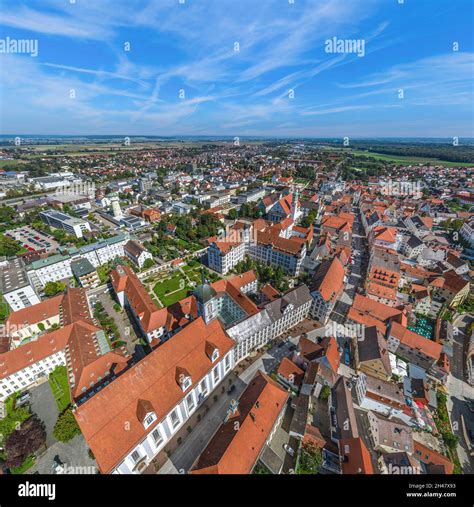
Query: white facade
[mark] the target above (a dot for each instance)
(97, 254)
(30, 375)
(21, 298)
(138, 458)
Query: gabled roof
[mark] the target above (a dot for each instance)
(368, 312)
(236, 452)
(102, 417)
(415, 341)
(355, 456)
(374, 347)
(329, 279)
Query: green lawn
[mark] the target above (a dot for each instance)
(169, 285)
(174, 298)
(60, 387)
(26, 465)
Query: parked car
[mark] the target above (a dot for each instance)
(23, 398)
(289, 449)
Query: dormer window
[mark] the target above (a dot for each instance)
(212, 351)
(146, 413)
(183, 378)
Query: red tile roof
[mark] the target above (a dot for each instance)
(415, 341)
(103, 417)
(355, 456)
(431, 457)
(236, 452)
(290, 371)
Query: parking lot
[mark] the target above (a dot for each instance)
(33, 240)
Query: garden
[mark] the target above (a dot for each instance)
(172, 287)
(22, 435)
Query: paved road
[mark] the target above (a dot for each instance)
(74, 454)
(460, 391)
(44, 405)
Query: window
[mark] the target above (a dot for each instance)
(227, 362)
(215, 374)
(186, 383)
(215, 355)
(203, 387)
(190, 402)
(135, 456)
(157, 438)
(149, 419)
(174, 419)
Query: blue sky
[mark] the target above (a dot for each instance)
(183, 75)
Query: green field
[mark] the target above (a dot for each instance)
(397, 159)
(171, 290)
(60, 387)
(4, 163)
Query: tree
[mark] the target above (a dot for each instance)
(8, 246)
(24, 441)
(310, 460)
(66, 426)
(232, 215)
(53, 288)
(149, 263)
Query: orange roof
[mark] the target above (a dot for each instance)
(269, 292)
(356, 457)
(416, 341)
(332, 354)
(30, 353)
(428, 221)
(289, 370)
(124, 279)
(35, 313)
(330, 283)
(236, 452)
(103, 417)
(431, 457)
(387, 234)
(368, 312)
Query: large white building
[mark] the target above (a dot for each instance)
(281, 244)
(15, 286)
(72, 225)
(129, 422)
(58, 266)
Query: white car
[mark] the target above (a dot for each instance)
(289, 449)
